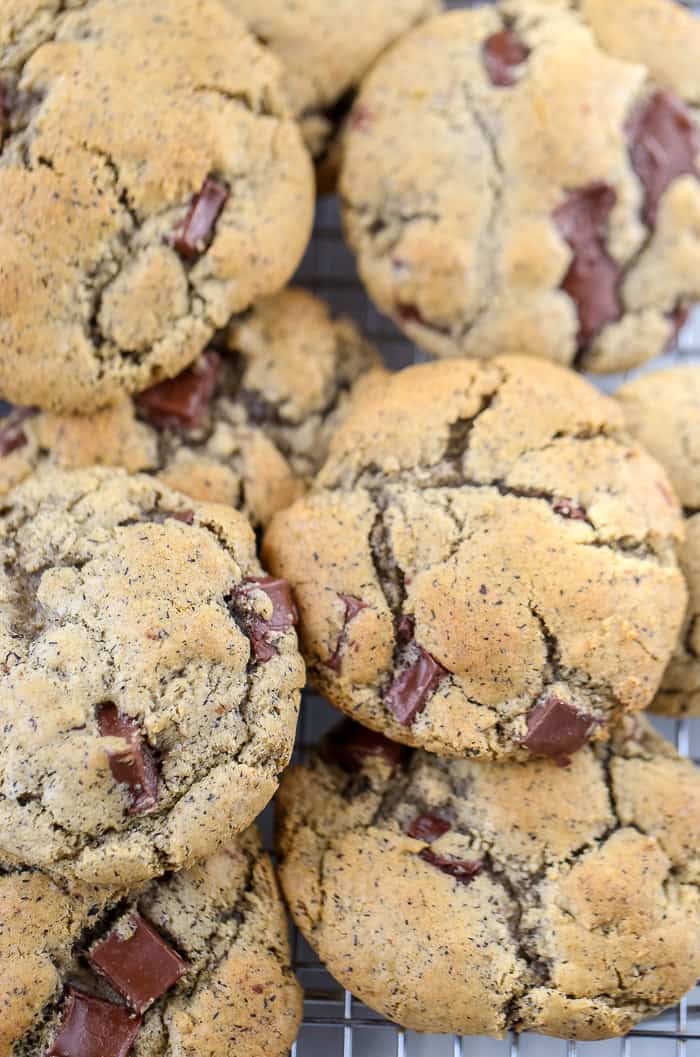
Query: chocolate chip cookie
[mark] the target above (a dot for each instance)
(456, 896)
(151, 677)
(485, 566)
(248, 424)
(523, 178)
(662, 410)
(195, 963)
(152, 183)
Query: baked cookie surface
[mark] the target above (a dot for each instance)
(523, 178)
(136, 222)
(151, 677)
(485, 565)
(474, 898)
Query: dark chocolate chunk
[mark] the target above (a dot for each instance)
(556, 729)
(284, 613)
(679, 317)
(353, 606)
(664, 142)
(186, 516)
(135, 765)
(410, 690)
(93, 1028)
(182, 402)
(140, 966)
(504, 52)
(593, 278)
(349, 745)
(405, 631)
(194, 234)
(568, 509)
(461, 869)
(427, 828)
(12, 436)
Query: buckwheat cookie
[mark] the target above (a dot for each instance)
(662, 410)
(485, 566)
(523, 178)
(248, 424)
(194, 964)
(151, 677)
(466, 897)
(153, 183)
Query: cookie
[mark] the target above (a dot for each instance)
(194, 963)
(485, 566)
(523, 178)
(151, 677)
(248, 424)
(662, 410)
(474, 898)
(153, 183)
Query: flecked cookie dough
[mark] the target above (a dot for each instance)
(662, 410)
(247, 425)
(151, 677)
(485, 566)
(194, 964)
(152, 182)
(523, 178)
(455, 896)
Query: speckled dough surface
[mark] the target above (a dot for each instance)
(662, 410)
(456, 896)
(151, 677)
(248, 425)
(217, 968)
(153, 183)
(523, 178)
(485, 566)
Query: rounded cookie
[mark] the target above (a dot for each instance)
(662, 410)
(517, 180)
(194, 963)
(153, 183)
(474, 898)
(485, 566)
(248, 424)
(151, 677)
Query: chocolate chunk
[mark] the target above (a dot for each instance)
(349, 746)
(12, 436)
(186, 516)
(284, 613)
(556, 729)
(427, 828)
(504, 52)
(410, 690)
(567, 508)
(405, 631)
(93, 1028)
(139, 964)
(353, 606)
(461, 869)
(194, 234)
(593, 278)
(664, 143)
(135, 766)
(182, 402)
(679, 317)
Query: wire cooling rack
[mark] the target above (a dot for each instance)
(336, 1024)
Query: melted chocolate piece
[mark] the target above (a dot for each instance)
(461, 869)
(12, 436)
(568, 509)
(186, 516)
(405, 630)
(182, 402)
(410, 690)
(557, 729)
(194, 234)
(504, 52)
(353, 606)
(427, 828)
(593, 278)
(679, 317)
(134, 766)
(93, 1028)
(349, 746)
(140, 966)
(284, 613)
(664, 143)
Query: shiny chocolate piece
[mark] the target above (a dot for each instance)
(568, 509)
(461, 869)
(349, 745)
(191, 238)
(664, 143)
(410, 690)
(185, 516)
(557, 729)
(593, 278)
(138, 963)
(353, 606)
(134, 766)
(504, 52)
(12, 436)
(284, 613)
(182, 402)
(427, 828)
(93, 1028)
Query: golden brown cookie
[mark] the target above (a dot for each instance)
(467, 897)
(523, 178)
(485, 566)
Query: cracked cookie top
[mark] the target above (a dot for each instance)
(662, 411)
(196, 962)
(153, 183)
(485, 566)
(474, 898)
(523, 178)
(248, 424)
(151, 677)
